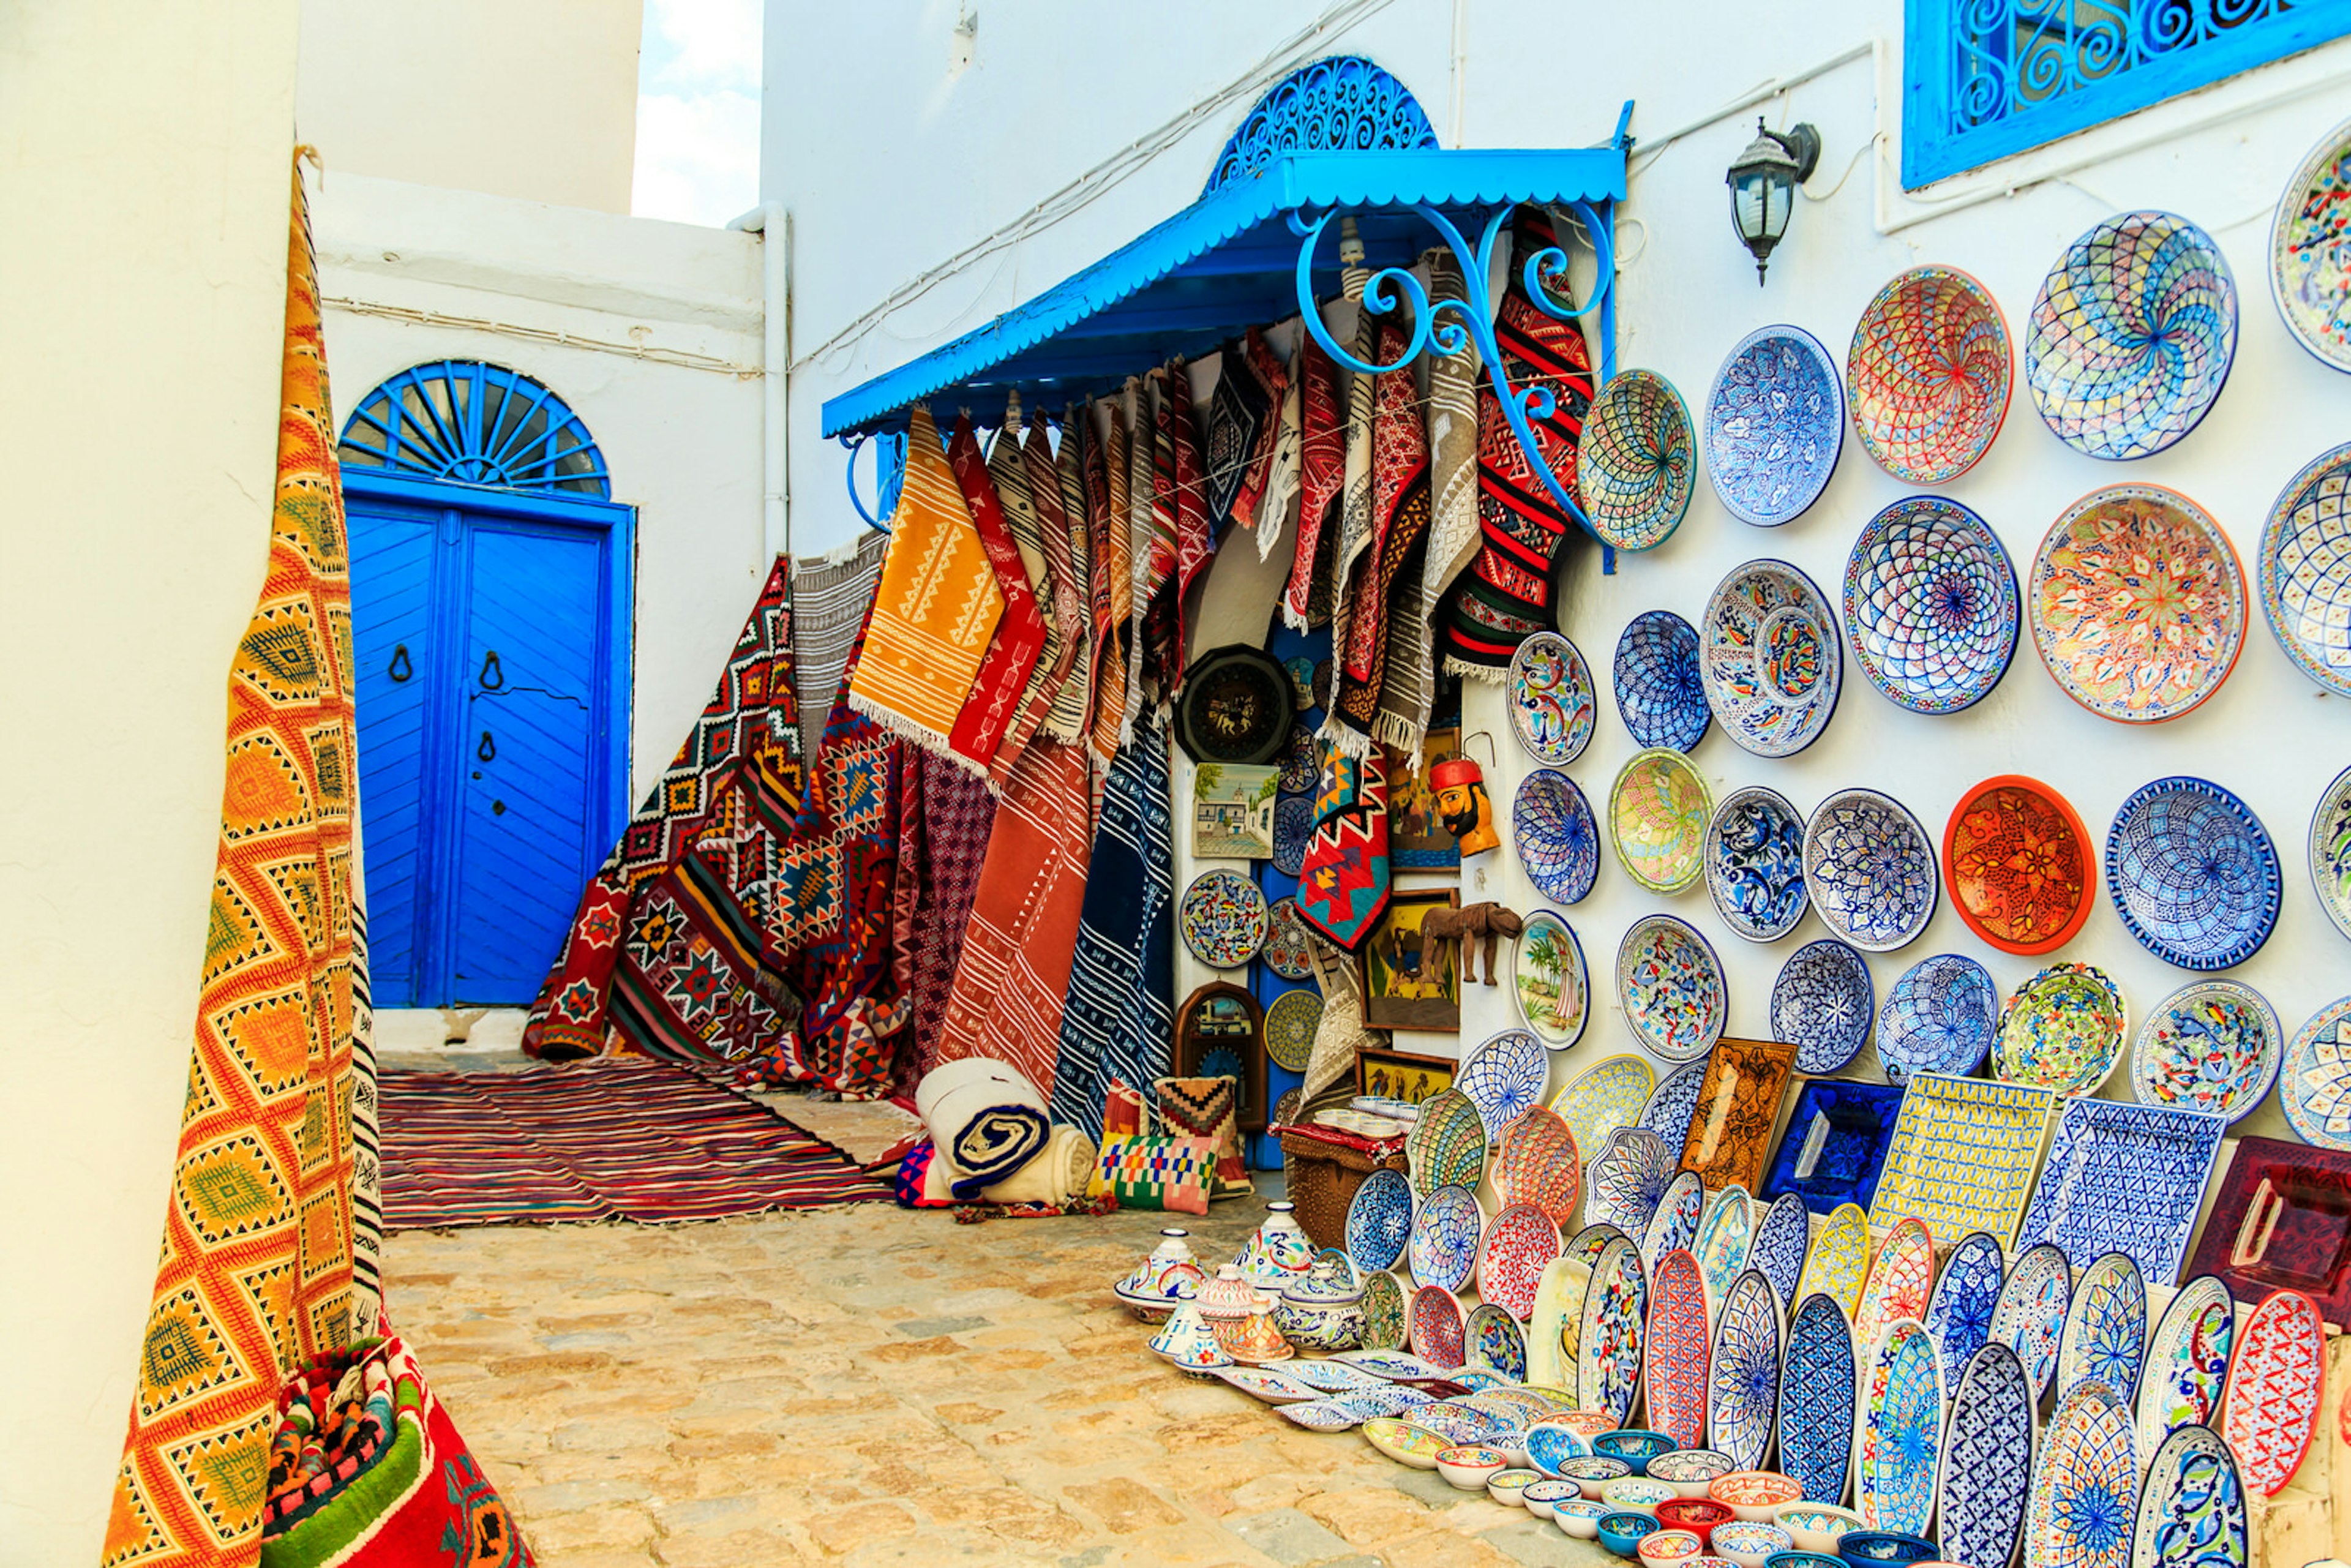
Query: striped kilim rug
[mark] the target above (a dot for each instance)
(618, 1138)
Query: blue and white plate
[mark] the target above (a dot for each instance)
(1783, 1238)
(2193, 873)
(1743, 1381)
(1987, 1464)
(1940, 1017)
(2123, 1178)
(1333, 1376)
(1673, 1226)
(1627, 1177)
(2187, 1361)
(1504, 1079)
(1674, 1102)
(1822, 1003)
(2330, 850)
(1755, 863)
(1557, 839)
(1816, 1400)
(2316, 1086)
(1444, 1246)
(2029, 1318)
(2105, 1329)
(2305, 594)
(1959, 1308)
(1379, 1221)
(1293, 826)
(1869, 870)
(1931, 604)
(1774, 426)
(2191, 1506)
(1771, 658)
(1660, 695)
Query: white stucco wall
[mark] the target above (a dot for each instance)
(144, 253)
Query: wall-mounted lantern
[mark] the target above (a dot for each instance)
(1763, 186)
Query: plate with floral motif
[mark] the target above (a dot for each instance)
(1605, 1096)
(1537, 1165)
(2309, 239)
(1608, 1346)
(1959, 1308)
(1822, 1003)
(1332, 1377)
(2021, 867)
(1264, 1382)
(1519, 1245)
(2062, 1029)
(1774, 426)
(1899, 1432)
(1548, 976)
(1658, 812)
(1839, 1259)
(2316, 1086)
(1671, 987)
(2330, 852)
(2186, 1366)
(1224, 918)
(1755, 863)
(1628, 1179)
(2029, 1318)
(1929, 374)
(1869, 870)
(1442, 1249)
(1939, 1016)
(1553, 710)
(1723, 1237)
(1385, 1320)
(2305, 570)
(2213, 1046)
(1504, 1077)
(1434, 1325)
(1771, 658)
(2105, 1329)
(1674, 1102)
(2191, 1506)
(1901, 1277)
(1673, 1225)
(1379, 1221)
(1286, 951)
(1743, 1379)
(1495, 1343)
(2085, 1484)
(1557, 840)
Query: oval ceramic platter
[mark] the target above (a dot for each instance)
(1771, 658)
(1608, 1348)
(1504, 1079)
(1553, 706)
(2191, 1506)
(2137, 602)
(1816, 1405)
(2131, 336)
(2275, 1375)
(2021, 867)
(1549, 979)
(2105, 1329)
(1822, 1003)
(1929, 374)
(1900, 1279)
(1898, 1434)
(2062, 1029)
(1931, 604)
(1782, 1242)
(1673, 1227)
(1518, 1247)
(2330, 852)
(1743, 1377)
(1986, 1476)
(1658, 811)
(1660, 696)
(1774, 426)
(1869, 870)
(1385, 1324)
(1404, 1443)
(2193, 873)
(1838, 1261)
(1447, 1146)
(1265, 1383)
(2305, 570)
(1673, 1367)
(1939, 1016)
(2316, 1086)
(1224, 918)
(1960, 1309)
(1537, 1165)
(1605, 1096)
(1627, 1179)
(1379, 1221)
(1443, 1248)
(2213, 1045)
(2307, 240)
(2029, 1318)
(1557, 1319)
(1636, 461)
(2187, 1361)
(1553, 829)
(1754, 858)
(1671, 987)
(1723, 1237)
(2085, 1484)
(1674, 1102)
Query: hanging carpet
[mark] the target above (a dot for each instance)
(949, 814)
(1399, 540)
(1019, 641)
(1344, 884)
(1408, 686)
(830, 596)
(1322, 480)
(1104, 463)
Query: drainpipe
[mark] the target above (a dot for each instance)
(774, 227)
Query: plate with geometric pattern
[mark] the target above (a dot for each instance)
(1557, 840)
(2029, 1318)
(1290, 1027)
(2305, 570)
(1670, 1108)
(1743, 1395)
(2105, 1329)
(1899, 1430)
(1901, 1277)
(1782, 1238)
(1822, 1003)
(1606, 1095)
(1723, 1237)
(2193, 873)
(1771, 658)
(2085, 1483)
(1636, 461)
(2315, 1087)
(2187, 1361)
(1987, 1464)
(1839, 1259)
(1504, 1079)
(1442, 1249)
(1958, 1313)
(2123, 1178)
(1931, 604)
(1869, 870)
(1627, 1179)
(1816, 1400)
(1673, 1367)
(1939, 1016)
(2330, 850)
(1929, 374)
(1660, 694)
(2276, 1375)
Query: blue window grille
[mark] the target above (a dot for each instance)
(1986, 78)
(474, 423)
(1341, 104)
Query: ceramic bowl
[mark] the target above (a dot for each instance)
(1690, 1471)
(1466, 1465)
(1749, 1543)
(1312, 1323)
(1402, 1441)
(1594, 1472)
(1815, 1526)
(1504, 1486)
(1578, 1516)
(1665, 1544)
(1620, 1530)
(1634, 1445)
(1551, 1444)
(1695, 1514)
(1801, 1559)
(1542, 1498)
(1884, 1546)
(1755, 1495)
(1637, 1492)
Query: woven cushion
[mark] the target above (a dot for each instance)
(1207, 1108)
(1123, 1110)
(1171, 1174)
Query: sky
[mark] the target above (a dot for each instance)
(698, 111)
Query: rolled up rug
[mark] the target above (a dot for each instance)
(986, 1118)
(1059, 1173)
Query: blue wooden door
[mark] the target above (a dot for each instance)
(490, 631)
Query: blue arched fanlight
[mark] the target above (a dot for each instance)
(474, 423)
(1342, 104)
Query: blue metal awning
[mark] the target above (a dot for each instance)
(1229, 261)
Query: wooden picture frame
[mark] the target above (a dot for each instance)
(1401, 1075)
(1220, 1030)
(1400, 991)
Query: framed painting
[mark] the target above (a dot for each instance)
(1418, 838)
(1409, 980)
(1232, 811)
(1737, 1108)
(1400, 1075)
(1221, 1032)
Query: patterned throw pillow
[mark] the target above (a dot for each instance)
(1170, 1174)
(1123, 1110)
(1207, 1108)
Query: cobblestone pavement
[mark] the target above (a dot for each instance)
(876, 1386)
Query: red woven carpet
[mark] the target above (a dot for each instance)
(621, 1138)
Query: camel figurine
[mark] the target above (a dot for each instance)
(1489, 920)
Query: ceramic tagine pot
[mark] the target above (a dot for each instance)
(1322, 1309)
(1278, 1250)
(1186, 1340)
(1169, 1273)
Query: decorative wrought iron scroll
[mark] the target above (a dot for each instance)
(1341, 104)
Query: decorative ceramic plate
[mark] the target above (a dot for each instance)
(1324, 1416)
(1835, 1151)
(1388, 1362)
(1628, 1177)
(2187, 1361)
(1636, 463)
(1290, 1027)
(2193, 873)
(1537, 1165)
(2308, 239)
(1238, 707)
(1782, 1238)
(1609, 1094)
(1386, 1316)
(1301, 759)
(2132, 335)
(2138, 603)
(1402, 1441)
(2029, 1318)
(2330, 852)
(1286, 952)
(1458, 1423)
(1379, 1221)
(1901, 1277)
(1729, 1141)
(1985, 1477)
(1442, 1249)
(1265, 1383)
(1547, 975)
(2105, 1329)
(1771, 658)
(1869, 870)
(1673, 1227)
(1494, 1341)
(1939, 1016)
(1839, 1259)
(1816, 1400)
(1557, 841)
(2123, 1178)
(1932, 605)
(1670, 985)
(1929, 374)
(1519, 1244)
(1774, 426)
(1504, 1079)
(1224, 918)
(2305, 570)
(1660, 694)
(1670, 1108)
(2191, 1506)
(1608, 1347)
(2275, 1377)
(1447, 1146)
(1673, 1371)
(1822, 1003)
(1754, 860)
(1434, 1325)
(1332, 1377)
(2020, 865)
(2212, 1045)
(2085, 1484)
(1553, 710)
(1293, 828)
(1657, 814)
(1550, 1444)
(2316, 1086)
(1898, 1435)
(2062, 1029)
(1743, 1392)
(1723, 1237)
(1958, 1312)
(1557, 1319)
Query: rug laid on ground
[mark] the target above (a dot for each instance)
(255, 1274)
(616, 1138)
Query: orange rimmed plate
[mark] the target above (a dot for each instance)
(2021, 867)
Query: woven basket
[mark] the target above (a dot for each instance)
(1322, 1182)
